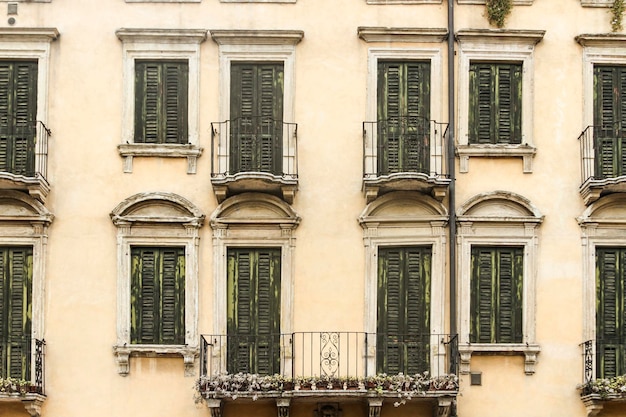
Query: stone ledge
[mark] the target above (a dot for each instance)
(32, 402)
(130, 150)
(530, 352)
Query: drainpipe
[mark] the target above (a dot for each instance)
(451, 169)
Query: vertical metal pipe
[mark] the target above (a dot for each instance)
(451, 168)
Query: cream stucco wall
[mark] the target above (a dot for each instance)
(87, 181)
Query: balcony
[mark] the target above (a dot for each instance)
(329, 366)
(24, 159)
(603, 162)
(604, 374)
(403, 154)
(254, 154)
(22, 374)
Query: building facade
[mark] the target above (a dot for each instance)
(312, 208)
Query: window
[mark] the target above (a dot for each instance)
(256, 114)
(158, 295)
(495, 111)
(253, 274)
(403, 317)
(161, 94)
(404, 237)
(496, 94)
(161, 101)
(254, 310)
(16, 275)
(403, 117)
(157, 278)
(610, 317)
(497, 258)
(496, 303)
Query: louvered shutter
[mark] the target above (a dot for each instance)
(403, 117)
(496, 295)
(254, 310)
(18, 114)
(610, 314)
(256, 113)
(495, 103)
(158, 295)
(15, 311)
(610, 120)
(403, 312)
(161, 90)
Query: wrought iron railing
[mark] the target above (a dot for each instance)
(254, 144)
(24, 359)
(603, 358)
(24, 149)
(328, 354)
(404, 145)
(602, 153)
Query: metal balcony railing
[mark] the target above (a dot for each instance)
(328, 354)
(603, 359)
(24, 359)
(254, 145)
(404, 145)
(603, 153)
(24, 149)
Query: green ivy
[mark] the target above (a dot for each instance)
(498, 10)
(617, 12)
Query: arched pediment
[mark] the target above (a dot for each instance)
(607, 208)
(254, 208)
(404, 206)
(499, 205)
(18, 206)
(156, 207)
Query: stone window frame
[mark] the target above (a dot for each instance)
(256, 46)
(252, 220)
(160, 44)
(156, 219)
(497, 45)
(424, 226)
(603, 223)
(433, 55)
(498, 218)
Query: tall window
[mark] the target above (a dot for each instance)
(256, 113)
(496, 295)
(609, 119)
(495, 107)
(403, 314)
(161, 89)
(254, 310)
(16, 275)
(18, 115)
(403, 117)
(158, 295)
(610, 313)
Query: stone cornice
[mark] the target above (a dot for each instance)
(387, 34)
(29, 34)
(257, 37)
(162, 35)
(601, 39)
(526, 37)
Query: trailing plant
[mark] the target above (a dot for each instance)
(14, 386)
(498, 10)
(617, 13)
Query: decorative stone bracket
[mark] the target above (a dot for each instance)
(130, 150)
(529, 351)
(594, 403)
(32, 402)
(123, 354)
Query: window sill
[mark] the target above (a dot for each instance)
(596, 3)
(524, 151)
(130, 150)
(529, 351)
(123, 354)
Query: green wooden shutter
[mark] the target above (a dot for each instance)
(403, 117)
(254, 310)
(161, 90)
(495, 103)
(18, 114)
(256, 113)
(610, 313)
(158, 295)
(610, 120)
(496, 295)
(403, 312)
(16, 269)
